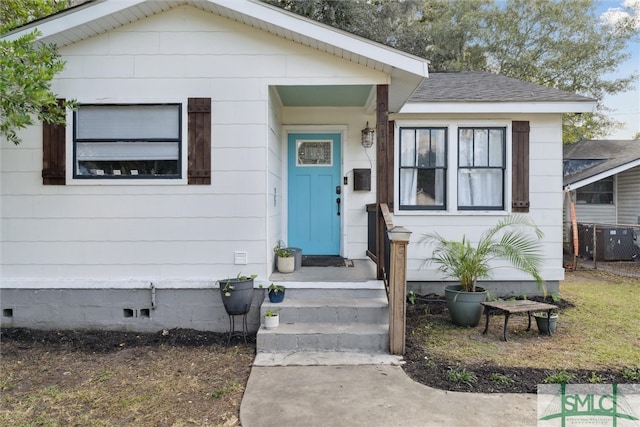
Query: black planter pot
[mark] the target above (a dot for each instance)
(464, 307)
(240, 295)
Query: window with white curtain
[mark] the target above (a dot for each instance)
(423, 167)
(127, 141)
(481, 167)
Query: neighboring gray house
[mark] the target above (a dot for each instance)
(601, 178)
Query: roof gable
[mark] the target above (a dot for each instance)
(588, 161)
(406, 71)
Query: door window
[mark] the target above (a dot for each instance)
(314, 153)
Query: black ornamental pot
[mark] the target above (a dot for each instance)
(236, 294)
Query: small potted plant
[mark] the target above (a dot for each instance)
(458, 259)
(546, 326)
(272, 318)
(237, 293)
(275, 292)
(286, 261)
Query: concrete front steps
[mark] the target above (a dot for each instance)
(327, 320)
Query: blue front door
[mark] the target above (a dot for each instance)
(314, 181)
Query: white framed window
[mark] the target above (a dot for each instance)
(132, 141)
(423, 168)
(481, 168)
(458, 167)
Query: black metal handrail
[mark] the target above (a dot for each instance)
(372, 237)
(371, 232)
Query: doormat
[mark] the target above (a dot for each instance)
(325, 261)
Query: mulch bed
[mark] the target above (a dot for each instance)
(425, 369)
(103, 342)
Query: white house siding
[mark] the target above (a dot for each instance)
(174, 235)
(276, 166)
(628, 196)
(545, 186)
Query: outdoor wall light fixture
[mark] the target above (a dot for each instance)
(367, 136)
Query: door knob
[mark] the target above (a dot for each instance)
(338, 202)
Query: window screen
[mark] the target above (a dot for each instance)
(131, 141)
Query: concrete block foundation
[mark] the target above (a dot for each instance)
(120, 309)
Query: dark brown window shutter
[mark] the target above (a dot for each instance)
(199, 140)
(520, 167)
(53, 153)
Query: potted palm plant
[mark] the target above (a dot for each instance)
(515, 239)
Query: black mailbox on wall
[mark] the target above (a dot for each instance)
(362, 179)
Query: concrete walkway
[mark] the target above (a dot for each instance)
(342, 392)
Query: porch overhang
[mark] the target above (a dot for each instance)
(325, 95)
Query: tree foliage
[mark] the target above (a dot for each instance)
(27, 69)
(556, 43)
(14, 13)
(563, 45)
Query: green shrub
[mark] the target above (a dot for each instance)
(631, 374)
(595, 378)
(501, 379)
(558, 377)
(461, 375)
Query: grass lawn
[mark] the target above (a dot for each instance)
(600, 333)
(140, 381)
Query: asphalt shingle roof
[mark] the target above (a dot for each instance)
(588, 158)
(482, 86)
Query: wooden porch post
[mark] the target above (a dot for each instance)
(382, 170)
(399, 239)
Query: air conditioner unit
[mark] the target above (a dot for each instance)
(611, 243)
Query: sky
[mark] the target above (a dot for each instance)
(626, 106)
